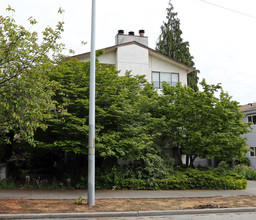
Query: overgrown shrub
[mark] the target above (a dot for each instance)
(190, 179)
(151, 166)
(109, 178)
(247, 172)
(242, 161)
(135, 184)
(7, 184)
(223, 167)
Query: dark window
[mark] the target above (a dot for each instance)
(252, 118)
(252, 153)
(159, 77)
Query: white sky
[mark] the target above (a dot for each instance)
(221, 41)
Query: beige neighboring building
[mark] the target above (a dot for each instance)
(250, 116)
(131, 53)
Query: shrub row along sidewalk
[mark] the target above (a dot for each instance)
(215, 179)
(190, 179)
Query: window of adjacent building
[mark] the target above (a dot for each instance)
(252, 118)
(253, 152)
(160, 77)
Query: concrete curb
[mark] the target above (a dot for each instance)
(126, 214)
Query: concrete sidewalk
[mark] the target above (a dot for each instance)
(110, 194)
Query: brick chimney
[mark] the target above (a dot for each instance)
(142, 33)
(122, 38)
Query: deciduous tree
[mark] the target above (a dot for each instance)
(25, 90)
(199, 124)
(123, 124)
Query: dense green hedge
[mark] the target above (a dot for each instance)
(217, 179)
(184, 179)
(190, 179)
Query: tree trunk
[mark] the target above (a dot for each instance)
(192, 159)
(187, 160)
(179, 157)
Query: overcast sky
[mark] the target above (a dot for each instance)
(222, 39)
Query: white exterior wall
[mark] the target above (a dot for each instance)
(251, 141)
(160, 65)
(244, 119)
(84, 59)
(107, 58)
(204, 162)
(135, 59)
(139, 61)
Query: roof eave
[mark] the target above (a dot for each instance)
(152, 51)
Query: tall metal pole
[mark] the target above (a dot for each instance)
(91, 149)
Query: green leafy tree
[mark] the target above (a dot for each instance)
(199, 124)
(25, 90)
(171, 44)
(123, 124)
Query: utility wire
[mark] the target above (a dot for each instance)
(229, 9)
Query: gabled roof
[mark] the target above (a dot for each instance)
(151, 51)
(249, 108)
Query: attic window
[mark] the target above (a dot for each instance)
(252, 118)
(159, 77)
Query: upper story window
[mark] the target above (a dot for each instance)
(160, 77)
(253, 152)
(252, 118)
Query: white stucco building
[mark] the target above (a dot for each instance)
(131, 53)
(250, 116)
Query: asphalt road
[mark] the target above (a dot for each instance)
(229, 216)
(226, 216)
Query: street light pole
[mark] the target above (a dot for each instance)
(91, 149)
